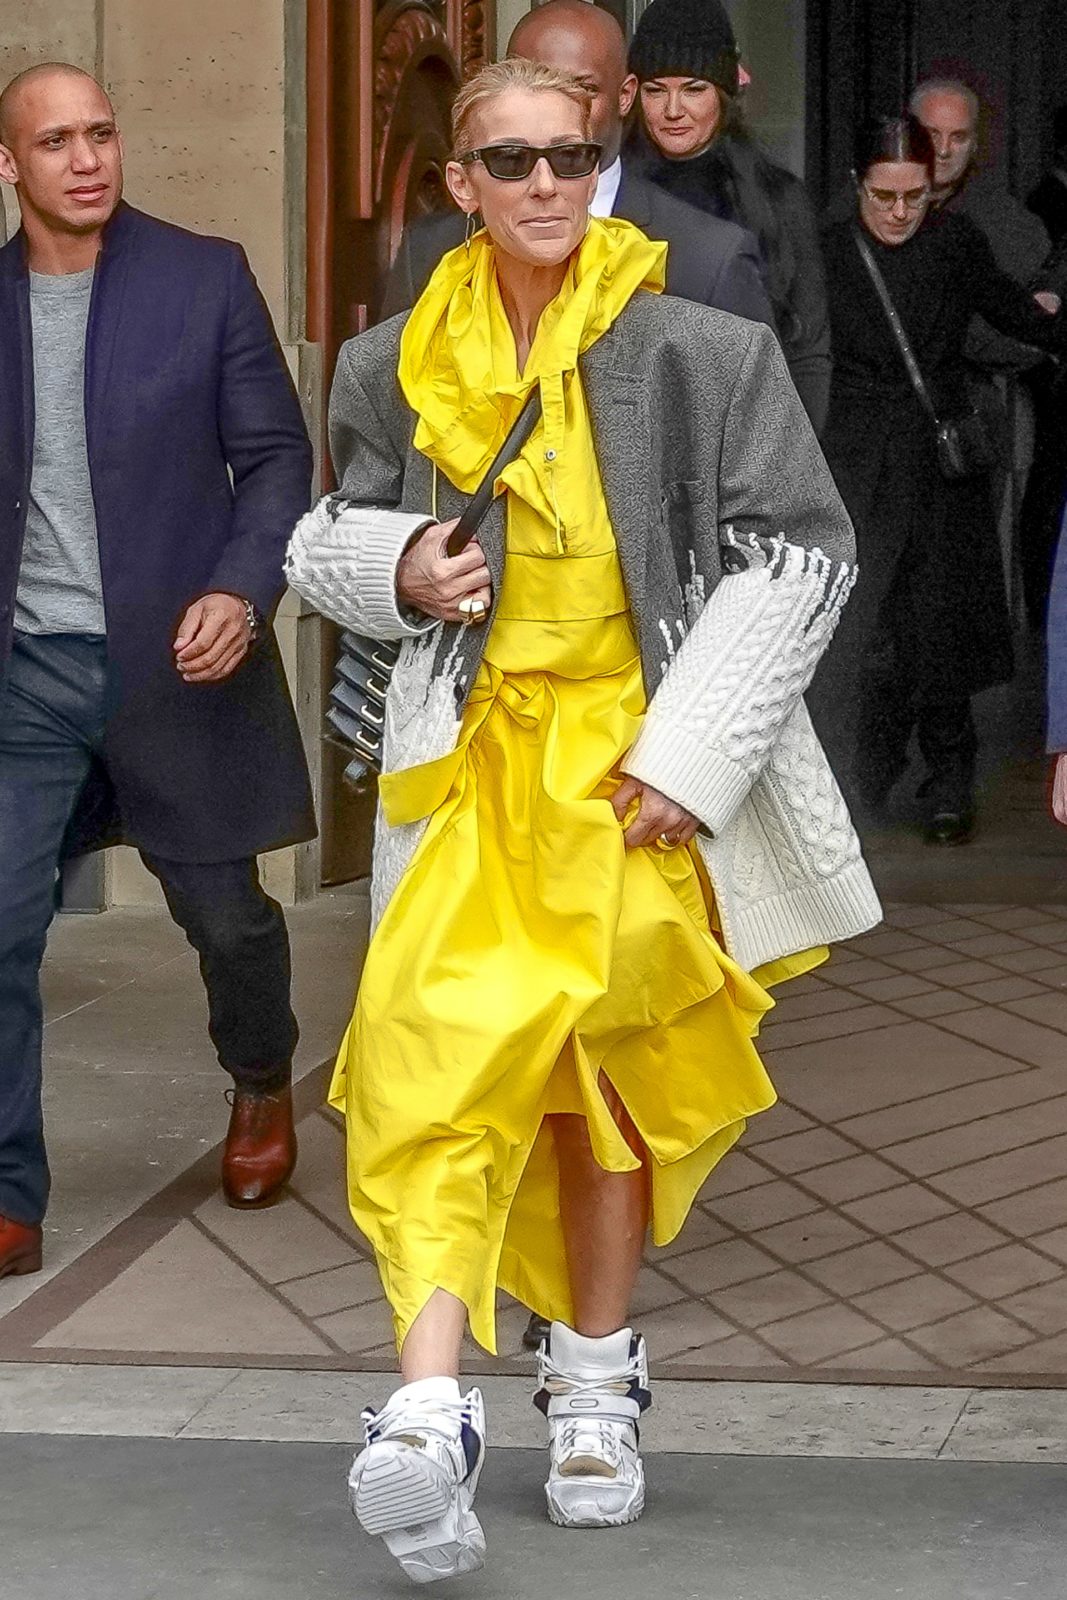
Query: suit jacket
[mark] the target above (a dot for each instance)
(200, 463)
(710, 261)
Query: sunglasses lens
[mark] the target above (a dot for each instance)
(509, 161)
(573, 160)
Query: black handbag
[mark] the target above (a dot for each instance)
(355, 716)
(965, 446)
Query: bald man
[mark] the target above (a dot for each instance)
(708, 260)
(153, 459)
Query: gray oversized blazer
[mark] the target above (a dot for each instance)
(737, 556)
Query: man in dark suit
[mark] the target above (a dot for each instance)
(711, 261)
(153, 459)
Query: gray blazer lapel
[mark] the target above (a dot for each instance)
(618, 404)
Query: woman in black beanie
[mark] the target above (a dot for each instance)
(693, 142)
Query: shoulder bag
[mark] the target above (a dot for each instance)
(965, 448)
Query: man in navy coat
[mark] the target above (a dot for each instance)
(153, 460)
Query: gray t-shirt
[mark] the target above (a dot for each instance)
(59, 589)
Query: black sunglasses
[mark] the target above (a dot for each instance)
(510, 162)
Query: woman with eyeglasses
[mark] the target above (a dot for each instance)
(605, 824)
(692, 140)
(928, 626)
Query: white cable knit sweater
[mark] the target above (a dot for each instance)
(733, 490)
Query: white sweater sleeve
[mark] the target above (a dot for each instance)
(736, 678)
(343, 559)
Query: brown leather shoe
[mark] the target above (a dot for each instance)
(20, 1248)
(260, 1151)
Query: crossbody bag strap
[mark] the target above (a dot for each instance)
(903, 342)
(482, 498)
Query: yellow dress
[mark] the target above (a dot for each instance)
(526, 950)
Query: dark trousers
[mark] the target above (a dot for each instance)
(53, 707)
(890, 709)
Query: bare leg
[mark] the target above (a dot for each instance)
(431, 1349)
(605, 1220)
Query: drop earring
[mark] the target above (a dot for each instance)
(469, 231)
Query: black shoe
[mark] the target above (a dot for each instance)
(949, 828)
(537, 1331)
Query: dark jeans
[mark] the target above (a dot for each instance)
(52, 712)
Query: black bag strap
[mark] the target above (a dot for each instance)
(917, 380)
(482, 498)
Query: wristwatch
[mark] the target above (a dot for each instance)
(254, 620)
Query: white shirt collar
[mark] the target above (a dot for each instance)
(607, 189)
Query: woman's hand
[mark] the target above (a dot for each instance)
(433, 582)
(656, 818)
(1059, 790)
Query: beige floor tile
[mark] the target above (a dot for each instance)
(1037, 961)
(783, 1294)
(940, 1004)
(1012, 918)
(320, 1171)
(844, 1079)
(1043, 1358)
(816, 1336)
(807, 1238)
(933, 1113)
(994, 991)
(1049, 931)
(334, 1290)
(1002, 1175)
(851, 1178)
(186, 1296)
(739, 1351)
(985, 1136)
(706, 1271)
(901, 986)
(949, 1238)
(959, 973)
(699, 1230)
(285, 1240)
(989, 944)
(971, 1336)
(1004, 1271)
(952, 929)
(737, 1171)
(799, 1151)
(868, 1266)
(1055, 1242)
(1049, 1009)
(886, 1356)
(1044, 1308)
(763, 1206)
(899, 1208)
(849, 969)
(360, 1328)
(840, 1024)
(792, 1008)
(780, 1120)
(1031, 1212)
(927, 959)
(913, 1303)
(890, 941)
(652, 1291)
(675, 1329)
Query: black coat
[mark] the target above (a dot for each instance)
(795, 275)
(711, 262)
(200, 466)
(926, 547)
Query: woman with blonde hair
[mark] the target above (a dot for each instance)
(605, 824)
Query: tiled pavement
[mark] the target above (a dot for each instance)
(900, 1216)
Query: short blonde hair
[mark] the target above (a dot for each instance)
(513, 73)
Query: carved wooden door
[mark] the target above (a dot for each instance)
(382, 75)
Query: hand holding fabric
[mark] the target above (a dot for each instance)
(656, 817)
(434, 582)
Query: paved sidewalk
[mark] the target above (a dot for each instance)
(106, 1519)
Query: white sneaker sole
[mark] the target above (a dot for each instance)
(573, 1503)
(425, 1521)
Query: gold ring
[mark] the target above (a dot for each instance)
(666, 841)
(472, 610)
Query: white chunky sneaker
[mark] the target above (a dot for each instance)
(592, 1391)
(414, 1480)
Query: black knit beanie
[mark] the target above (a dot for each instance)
(686, 39)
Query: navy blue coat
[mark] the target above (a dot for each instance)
(200, 466)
